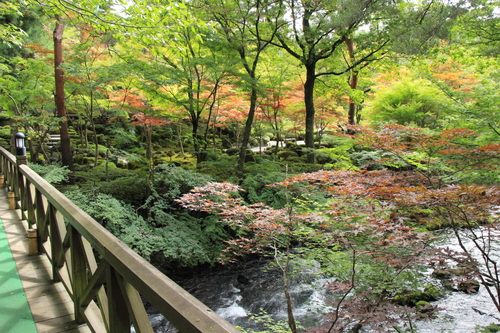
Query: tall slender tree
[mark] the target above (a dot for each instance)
(317, 32)
(249, 27)
(67, 156)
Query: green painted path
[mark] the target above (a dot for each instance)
(15, 314)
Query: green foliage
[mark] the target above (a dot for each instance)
(367, 159)
(90, 151)
(105, 171)
(179, 242)
(301, 167)
(410, 102)
(337, 155)
(122, 138)
(128, 159)
(493, 328)
(171, 181)
(164, 238)
(480, 177)
(257, 189)
(286, 154)
(232, 151)
(271, 325)
(6, 133)
(184, 239)
(224, 169)
(108, 211)
(335, 158)
(132, 189)
(414, 297)
(52, 173)
(332, 141)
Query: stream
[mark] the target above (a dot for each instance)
(461, 312)
(239, 290)
(236, 291)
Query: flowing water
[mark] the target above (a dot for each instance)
(235, 292)
(461, 312)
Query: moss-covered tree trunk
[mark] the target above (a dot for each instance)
(67, 157)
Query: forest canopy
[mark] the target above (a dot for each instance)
(206, 132)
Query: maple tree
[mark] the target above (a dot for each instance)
(148, 123)
(369, 212)
(90, 75)
(321, 233)
(248, 34)
(203, 64)
(26, 98)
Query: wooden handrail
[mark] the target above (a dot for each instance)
(104, 277)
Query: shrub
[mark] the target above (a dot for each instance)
(221, 170)
(286, 154)
(367, 159)
(233, 151)
(91, 150)
(407, 102)
(171, 181)
(52, 173)
(99, 173)
(332, 141)
(303, 167)
(111, 213)
(132, 190)
(257, 190)
(322, 157)
(171, 240)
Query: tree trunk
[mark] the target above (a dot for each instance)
(66, 154)
(310, 110)
(248, 129)
(353, 83)
(195, 122)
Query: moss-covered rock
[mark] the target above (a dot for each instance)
(441, 274)
(414, 297)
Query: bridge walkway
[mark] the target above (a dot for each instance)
(30, 301)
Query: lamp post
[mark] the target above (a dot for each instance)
(20, 148)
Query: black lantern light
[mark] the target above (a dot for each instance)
(20, 148)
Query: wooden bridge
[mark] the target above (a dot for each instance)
(76, 276)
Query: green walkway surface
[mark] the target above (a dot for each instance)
(15, 314)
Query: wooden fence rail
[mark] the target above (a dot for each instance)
(104, 277)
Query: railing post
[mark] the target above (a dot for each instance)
(21, 159)
(2, 181)
(12, 200)
(119, 316)
(32, 242)
(78, 273)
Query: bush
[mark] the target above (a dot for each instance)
(322, 157)
(111, 213)
(91, 150)
(367, 159)
(98, 173)
(166, 239)
(224, 169)
(408, 102)
(52, 173)
(233, 151)
(286, 154)
(171, 181)
(304, 167)
(332, 141)
(257, 190)
(132, 190)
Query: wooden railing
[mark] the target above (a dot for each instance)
(104, 277)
